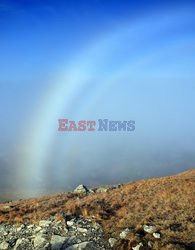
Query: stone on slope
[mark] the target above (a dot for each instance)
(40, 242)
(149, 229)
(81, 189)
(156, 235)
(112, 241)
(84, 245)
(44, 223)
(124, 233)
(138, 246)
(57, 242)
(4, 245)
(22, 244)
(102, 190)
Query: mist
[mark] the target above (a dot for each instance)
(66, 62)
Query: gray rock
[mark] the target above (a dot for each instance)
(80, 246)
(37, 229)
(45, 223)
(4, 245)
(124, 233)
(30, 226)
(44, 231)
(50, 235)
(40, 242)
(156, 235)
(91, 191)
(70, 223)
(102, 190)
(149, 229)
(82, 230)
(150, 244)
(81, 189)
(20, 228)
(112, 241)
(12, 241)
(22, 244)
(57, 242)
(96, 225)
(6, 207)
(138, 246)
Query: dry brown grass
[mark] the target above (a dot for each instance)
(166, 202)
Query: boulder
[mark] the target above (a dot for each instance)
(81, 189)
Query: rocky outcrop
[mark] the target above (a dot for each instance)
(77, 233)
(81, 189)
(71, 234)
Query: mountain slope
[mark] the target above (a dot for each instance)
(166, 203)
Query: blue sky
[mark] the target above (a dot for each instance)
(119, 60)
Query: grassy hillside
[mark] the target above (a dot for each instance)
(167, 203)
